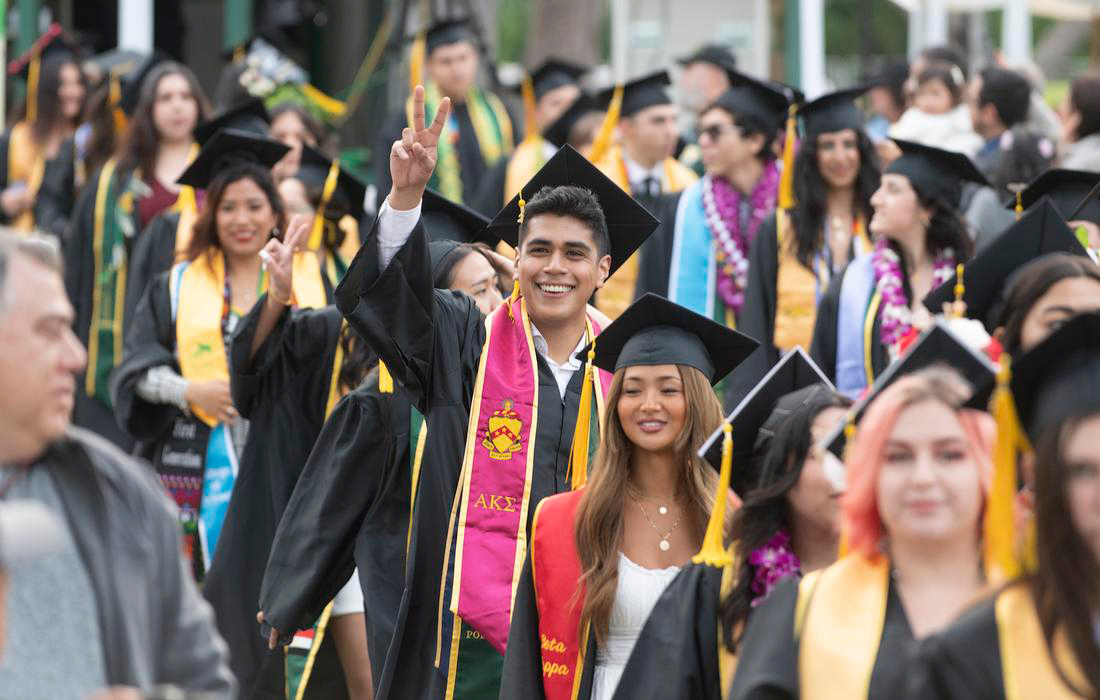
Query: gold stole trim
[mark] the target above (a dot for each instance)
(314, 649)
(1026, 662)
(869, 336)
(202, 353)
(845, 611)
(795, 291)
(98, 223)
(188, 208)
(727, 661)
(26, 163)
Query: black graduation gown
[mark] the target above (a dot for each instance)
(350, 508)
(56, 196)
(676, 655)
(89, 412)
(823, 349)
(283, 392)
(768, 663)
(489, 198)
(154, 252)
(522, 678)
(431, 341)
(963, 662)
(656, 253)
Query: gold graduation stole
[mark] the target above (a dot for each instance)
(839, 618)
(188, 208)
(1029, 671)
(27, 164)
(617, 292)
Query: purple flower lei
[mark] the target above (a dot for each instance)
(897, 317)
(722, 208)
(772, 563)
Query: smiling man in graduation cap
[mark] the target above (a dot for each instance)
(502, 395)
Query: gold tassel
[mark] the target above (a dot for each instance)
(958, 308)
(512, 300)
(578, 454)
(1001, 561)
(713, 552)
(316, 235)
(385, 380)
(32, 88)
(416, 60)
(530, 121)
(602, 144)
(786, 180)
(114, 95)
(522, 207)
(1019, 204)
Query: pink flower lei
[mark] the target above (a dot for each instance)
(772, 563)
(722, 208)
(897, 317)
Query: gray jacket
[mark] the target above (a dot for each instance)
(157, 630)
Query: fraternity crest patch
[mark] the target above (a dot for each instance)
(502, 437)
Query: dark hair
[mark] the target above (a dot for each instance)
(765, 510)
(1023, 157)
(445, 273)
(102, 139)
(139, 145)
(946, 54)
(576, 202)
(1064, 582)
(359, 359)
(338, 207)
(750, 125)
(1030, 284)
(892, 78)
(947, 74)
(808, 216)
(205, 232)
(1008, 92)
(48, 104)
(313, 127)
(1084, 96)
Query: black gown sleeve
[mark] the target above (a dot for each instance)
(149, 343)
(656, 252)
(522, 675)
(77, 253)
(489, 198)
(767, 668)
(757, 318)
(961, 663)
(152, 254)
(823, 347)
(54, 204)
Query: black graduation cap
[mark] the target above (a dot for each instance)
(892, 74)
(249, 116)
(554, 73)
(118, 62)
(1059, 378)
(936, 345)
(833, 112)
(934, 171)
(1066, 190)
(656, 331)
(558, 132)
(764, 101)
(793, 381)
(1041, 231)
(227, 147)
(53, 43)
(628, 223)
(445, 220)
(131, 83)
(646, 91)
(313, 169)
(447, 31)
(714, 54)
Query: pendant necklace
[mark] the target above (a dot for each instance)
(664, 544)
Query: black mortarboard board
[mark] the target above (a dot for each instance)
(936, 345)
(765, 102)
(131, 83)
(785, 387)
(445, 220)
(554, 73)
(893, 74)
(835, 111)
(249, 116)
(1041, 231)
(656, 331)
(628, 223)
(313, 169)
(714, 54)
(935, 172)
(118, 62)
(447, 31)
(1059, 379)
(1066, 190)
(646, 91)
(53, 43)
(558, 132)
(229, 146)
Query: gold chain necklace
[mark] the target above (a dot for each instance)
(664, 544)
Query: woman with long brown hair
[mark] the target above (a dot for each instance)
(113, 209)
(601, 555)
(1037, 636)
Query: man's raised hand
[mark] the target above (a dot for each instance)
(412, 159)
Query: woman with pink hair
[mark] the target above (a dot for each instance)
(919, 473)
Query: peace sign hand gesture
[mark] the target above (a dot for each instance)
(278, 259)
(412, 159)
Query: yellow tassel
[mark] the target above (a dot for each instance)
(713, 552)
(316, 235)
(530, 121)
(385, 380)
(1019, 204)
(32, 88)
(114, 94)
(522, 207)
(958, 309)
(512, 300)
(602, 144)
(786, 180)
(578, 454)
(330, 105)
(1001, 561)
(416, 61)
